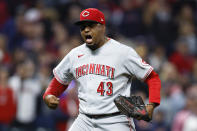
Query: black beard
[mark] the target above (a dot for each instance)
(92, 47)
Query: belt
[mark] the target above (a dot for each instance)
(102, 115)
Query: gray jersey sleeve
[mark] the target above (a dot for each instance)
(136, 66)
(62, 71)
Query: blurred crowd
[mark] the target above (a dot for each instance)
(36, 34)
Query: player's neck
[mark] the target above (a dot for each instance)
(103, 41)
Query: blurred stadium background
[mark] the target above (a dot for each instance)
(36, 34)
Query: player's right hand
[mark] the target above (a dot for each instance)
(51, 101)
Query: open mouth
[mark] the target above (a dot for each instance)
(88, 38)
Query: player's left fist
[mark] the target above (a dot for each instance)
(51, 101)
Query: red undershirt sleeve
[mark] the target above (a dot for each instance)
(55, 88)
(154, 85)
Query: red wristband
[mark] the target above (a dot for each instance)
(154, 85)
(55, 88)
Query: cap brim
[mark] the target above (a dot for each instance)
(84, 21)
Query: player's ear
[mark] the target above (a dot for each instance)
(104, 28)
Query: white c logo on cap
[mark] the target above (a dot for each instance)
(85, 13)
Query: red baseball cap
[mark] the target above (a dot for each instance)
(91, 15)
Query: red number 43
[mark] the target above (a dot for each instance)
(109, 90)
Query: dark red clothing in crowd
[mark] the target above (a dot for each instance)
(7, 105)
(183, 63)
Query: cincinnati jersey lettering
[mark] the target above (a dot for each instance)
(97, 69)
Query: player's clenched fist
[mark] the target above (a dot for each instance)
(51, 101)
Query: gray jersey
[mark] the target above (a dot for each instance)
(102, 74)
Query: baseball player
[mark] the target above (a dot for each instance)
(103, 68)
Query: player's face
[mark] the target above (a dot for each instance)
(93, 34)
